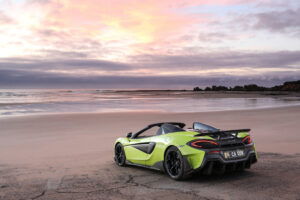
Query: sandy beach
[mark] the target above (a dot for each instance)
(70, 156)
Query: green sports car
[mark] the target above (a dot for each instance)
(180, 152)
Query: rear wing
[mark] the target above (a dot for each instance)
(224, 132)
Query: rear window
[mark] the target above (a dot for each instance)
(169, 128)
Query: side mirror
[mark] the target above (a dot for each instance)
(129, 135)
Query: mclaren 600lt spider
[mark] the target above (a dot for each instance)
(181, 152)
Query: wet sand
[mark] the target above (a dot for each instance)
(70, 156)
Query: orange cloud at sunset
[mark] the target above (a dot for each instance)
(141, 20)
(134, 26)
(136, 21)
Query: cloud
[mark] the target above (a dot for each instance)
(217, 60)
(4, 19)
(25, 79)
(159, 63)
(284, 22)
(62, 64)
(153, 71)
(141, 22)
(215, 37)
(279, 21)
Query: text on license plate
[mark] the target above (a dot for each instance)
(234, 154)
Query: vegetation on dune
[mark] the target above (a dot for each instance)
(287, 86)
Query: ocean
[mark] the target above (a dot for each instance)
(16, 102)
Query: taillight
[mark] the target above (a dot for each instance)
(203, 144)
(247, 140)
(214, 152)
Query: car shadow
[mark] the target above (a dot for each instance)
(196, 177)
(225, 177)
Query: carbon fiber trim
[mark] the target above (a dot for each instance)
(146, 147)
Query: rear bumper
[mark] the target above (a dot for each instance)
(216, 163)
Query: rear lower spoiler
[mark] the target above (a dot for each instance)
(221, 132)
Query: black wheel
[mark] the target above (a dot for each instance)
(120, 155)
(174, 164)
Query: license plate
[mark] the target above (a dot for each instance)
(232, 154)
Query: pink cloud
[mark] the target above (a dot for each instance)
(144, 21)
(127, 26)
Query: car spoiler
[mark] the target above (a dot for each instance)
(221, 132)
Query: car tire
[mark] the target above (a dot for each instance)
(174, 164)
(120, 157)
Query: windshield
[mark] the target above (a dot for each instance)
(204, 127)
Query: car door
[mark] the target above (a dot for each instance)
(156, 155)
(139, 149)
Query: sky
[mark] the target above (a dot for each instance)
(148, 44)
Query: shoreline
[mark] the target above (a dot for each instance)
(39, 103)
(141, 111)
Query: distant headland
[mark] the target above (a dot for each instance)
(287, 86)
